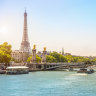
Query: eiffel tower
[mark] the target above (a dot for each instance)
(25, 45)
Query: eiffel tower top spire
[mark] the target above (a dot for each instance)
(25, 10)
(25, 45)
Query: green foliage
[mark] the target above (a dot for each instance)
(5, 53)
(63, 58)
(50, 59)
(56, 55)
(71, 58)
(87, 61)
(59, 57)
(68, 58)
(6, 48)
(38, 59)
(78, 59)
(94, 60)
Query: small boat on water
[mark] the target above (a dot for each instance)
(85, 70)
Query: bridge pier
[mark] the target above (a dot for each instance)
(33, 60)
(70, 68)
(44, 56)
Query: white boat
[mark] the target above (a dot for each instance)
(86, 70)
(17, 70)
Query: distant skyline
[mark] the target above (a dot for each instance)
(56, 24)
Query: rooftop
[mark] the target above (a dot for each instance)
(17, 67)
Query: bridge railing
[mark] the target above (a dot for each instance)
(66, 63)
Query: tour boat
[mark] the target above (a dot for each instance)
(85, 70)
(17, 70)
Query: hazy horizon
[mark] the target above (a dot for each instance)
(56, 24)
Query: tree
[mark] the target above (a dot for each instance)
(50, 59)
(59, 57)
(38, 59)
(78, 59)
(62, 58)
(6, 48)
(56, 55)
(69, 58)
(94, 60)
(5, 53)
(87, 61)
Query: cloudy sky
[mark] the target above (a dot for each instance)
(56, 24)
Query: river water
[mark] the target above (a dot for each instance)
(48, 83)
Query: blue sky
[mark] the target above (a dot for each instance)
(56, 24)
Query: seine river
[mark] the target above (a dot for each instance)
(48, 83)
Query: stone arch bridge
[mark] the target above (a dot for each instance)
(56, 66)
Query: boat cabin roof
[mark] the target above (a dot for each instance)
(17, 67)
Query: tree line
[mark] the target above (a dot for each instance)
(5, 56)
(57, 57)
